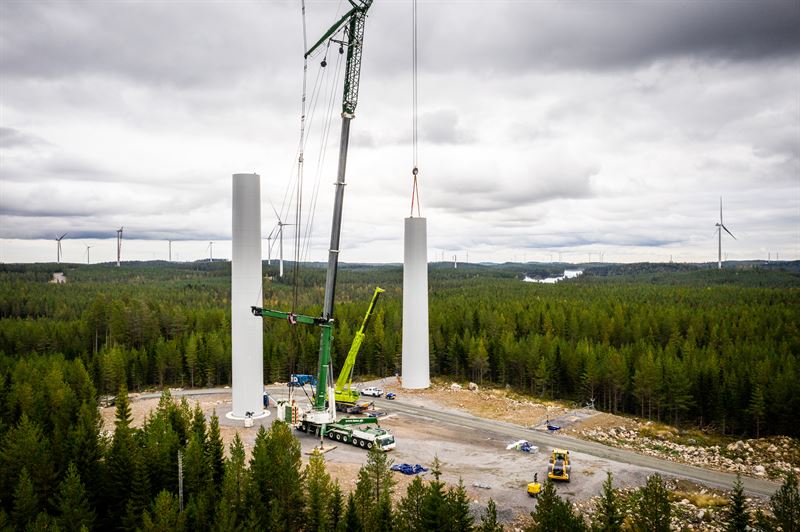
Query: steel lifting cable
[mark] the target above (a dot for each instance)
(415, 119)
(326, 129)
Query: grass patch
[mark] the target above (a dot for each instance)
(701, 500)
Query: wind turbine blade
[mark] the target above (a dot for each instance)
(62, 236)
(720, 210)
(272, 232)
(278, 216)
(726, 230)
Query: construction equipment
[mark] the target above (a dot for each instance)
(346, 398)
(321, 419)
(535, 487)
(559, 467)
(355, 431)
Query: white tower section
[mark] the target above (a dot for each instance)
(247, 340)
(416, 356)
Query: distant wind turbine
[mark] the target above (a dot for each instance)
(87, 253)
(720, 226)
(170, 250)
(281, 225)
(58, 248)
(210, 249)
(119, 245)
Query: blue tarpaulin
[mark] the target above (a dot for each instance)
(408, 469)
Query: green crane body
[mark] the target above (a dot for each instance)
(343, 392)
(354, 33)
(324, 346)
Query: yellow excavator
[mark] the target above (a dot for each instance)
(347, 398)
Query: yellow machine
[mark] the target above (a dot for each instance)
(345, 396)
(534, 488)
(559, 467)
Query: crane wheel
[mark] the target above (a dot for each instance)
(369, 445)
(355, 441)
(345, 439)
(337, 437)
(362, 444)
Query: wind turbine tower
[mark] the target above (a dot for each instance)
(416, 350)
(247, 338)
(720, 226)
(170, 250)
(119, 245)
(58, 247)
(87, 253)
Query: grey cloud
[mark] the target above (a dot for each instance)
(442, 127)
(14, 138)
(517, 37)
(172, 43)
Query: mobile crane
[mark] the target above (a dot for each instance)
(321, 417)
(346, 398)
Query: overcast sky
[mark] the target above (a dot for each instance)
(546, 127)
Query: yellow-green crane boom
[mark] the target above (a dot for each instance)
(343, 393)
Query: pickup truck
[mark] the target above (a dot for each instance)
(373, 391)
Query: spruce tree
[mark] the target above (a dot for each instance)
(489, 519)
(335, 506)
(164, 515)
(350, 522)
(608, 516)
(276, 483)
(553, 514)
(375, 482)
(738, 517)
(785, 504)
(652, 510)
(26, 503)
(409, 509)
(458, 509)
(119, 468)
(215, 451)
(86, 448)
(72, 502)
(319, 489)
(235, 482)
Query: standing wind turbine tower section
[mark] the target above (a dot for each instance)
(416, 353)
(720, 227)
(246, 333)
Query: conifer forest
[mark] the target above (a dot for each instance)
(688, 346)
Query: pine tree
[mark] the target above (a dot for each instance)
(738, 517)
(608, 516)
(318, 494)
(757, 407)
(72, 502)
(489, 519)
(375, 482)
(785, 504)
(458, 509)
(652, 510)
